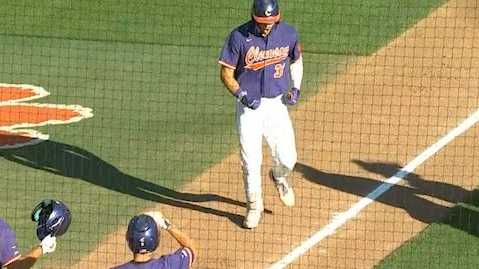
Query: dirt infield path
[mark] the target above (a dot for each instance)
(378, 114)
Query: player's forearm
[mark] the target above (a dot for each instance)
(227, 77)
(296, 69)
(28, 260)
(183, 239)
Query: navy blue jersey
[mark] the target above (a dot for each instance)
(8, 244)
(177, 260)
(261, 64)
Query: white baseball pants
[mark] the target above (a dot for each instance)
(272, 121)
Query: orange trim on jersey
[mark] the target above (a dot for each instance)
(227, 64)
(191, 255)
(257, 66)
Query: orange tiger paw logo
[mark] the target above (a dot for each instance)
(17, 115)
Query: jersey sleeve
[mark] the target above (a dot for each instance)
(231, 51)
(8, 245)
(295, 51)
(181, 259)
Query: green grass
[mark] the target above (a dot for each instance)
(148, 70)
(329, 27)
(452, 243)
(354, 27)
(154, 122)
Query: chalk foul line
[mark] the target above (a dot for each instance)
(341, 218)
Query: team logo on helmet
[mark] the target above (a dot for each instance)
(17, 114)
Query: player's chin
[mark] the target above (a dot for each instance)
(265, 33)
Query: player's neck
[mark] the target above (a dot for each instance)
(142, 257)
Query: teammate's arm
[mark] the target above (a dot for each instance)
(28, 260)
(228, 79)
(184, 241)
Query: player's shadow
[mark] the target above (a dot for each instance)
(74, 162)
(409, 197)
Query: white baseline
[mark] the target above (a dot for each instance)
(342, 218)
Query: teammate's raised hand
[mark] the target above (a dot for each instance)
(48, 244)
(160, 220)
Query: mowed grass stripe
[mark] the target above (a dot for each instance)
(328, 27)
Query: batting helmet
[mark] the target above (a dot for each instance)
(265, 11)
(142, 234)
(52, 217)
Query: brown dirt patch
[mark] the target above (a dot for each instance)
(380, 113)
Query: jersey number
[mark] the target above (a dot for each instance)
(279, 70)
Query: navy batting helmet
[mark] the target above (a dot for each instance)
(142, 234)
(265, 11)
(52, 217)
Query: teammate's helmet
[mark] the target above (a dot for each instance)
(52, 217)
(265, 11)
(142, 234)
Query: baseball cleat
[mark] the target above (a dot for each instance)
(286, 193)
(253, 215)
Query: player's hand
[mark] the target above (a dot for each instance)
(242, 96)
(160, 220)
(292, 96)
(48, 244)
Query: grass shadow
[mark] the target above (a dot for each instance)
(74, 162)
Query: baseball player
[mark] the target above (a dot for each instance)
(53, 219)
(143, 237)
(259, 61)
